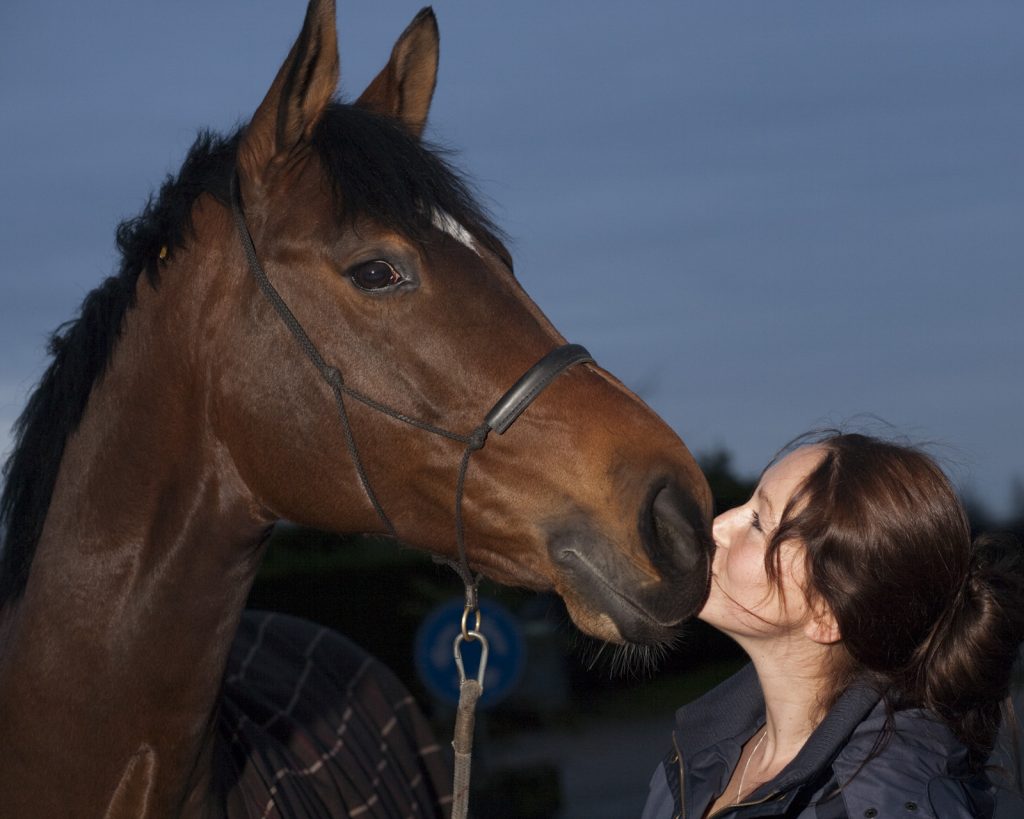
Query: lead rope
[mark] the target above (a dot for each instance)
(470, 691)
(472, 688)
(509, 407)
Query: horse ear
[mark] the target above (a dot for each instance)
(298, 96)
(404, 87)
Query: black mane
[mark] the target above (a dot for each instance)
(376, 169)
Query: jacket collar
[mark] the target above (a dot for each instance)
(735, 710)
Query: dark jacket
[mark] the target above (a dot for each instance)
(919, 771)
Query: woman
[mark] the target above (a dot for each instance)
(881, 643)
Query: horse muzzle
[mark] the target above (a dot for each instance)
(613, 597)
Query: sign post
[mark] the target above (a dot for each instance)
(435, 662)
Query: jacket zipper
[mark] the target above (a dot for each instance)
(682, 789)
(723, 811)
(682, 778)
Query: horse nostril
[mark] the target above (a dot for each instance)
(674, 533)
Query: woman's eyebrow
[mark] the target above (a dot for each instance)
(764, 499)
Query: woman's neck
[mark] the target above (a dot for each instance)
(792, 674)
(792, 679)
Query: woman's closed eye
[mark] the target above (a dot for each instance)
(755, 521)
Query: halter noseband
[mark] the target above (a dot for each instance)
(500, 417)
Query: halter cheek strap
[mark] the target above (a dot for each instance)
(500, 417)
(509, 407)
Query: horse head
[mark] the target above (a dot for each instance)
(407, 293)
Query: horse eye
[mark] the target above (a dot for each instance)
(375, 275)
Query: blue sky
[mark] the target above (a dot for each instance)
(764, 216)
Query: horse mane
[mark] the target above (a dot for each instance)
(376, 170)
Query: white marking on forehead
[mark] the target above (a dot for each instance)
(445, 222)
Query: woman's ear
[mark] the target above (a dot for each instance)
(821, 625)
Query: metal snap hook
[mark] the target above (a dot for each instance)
(466, 631)
(484, 650)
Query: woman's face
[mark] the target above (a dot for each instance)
(743, 601)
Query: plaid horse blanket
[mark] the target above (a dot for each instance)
(310, 726)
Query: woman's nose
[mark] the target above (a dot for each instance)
(720, 528)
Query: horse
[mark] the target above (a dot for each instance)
(309, 321)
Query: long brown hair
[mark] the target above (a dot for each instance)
(932, 618)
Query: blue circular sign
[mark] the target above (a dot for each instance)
(435, 660)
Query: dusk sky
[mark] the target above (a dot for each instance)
(763, 216)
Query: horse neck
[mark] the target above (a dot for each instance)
(115, 653)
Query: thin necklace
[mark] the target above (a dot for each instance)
(743, 773)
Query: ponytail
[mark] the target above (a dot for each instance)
(966, 667)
